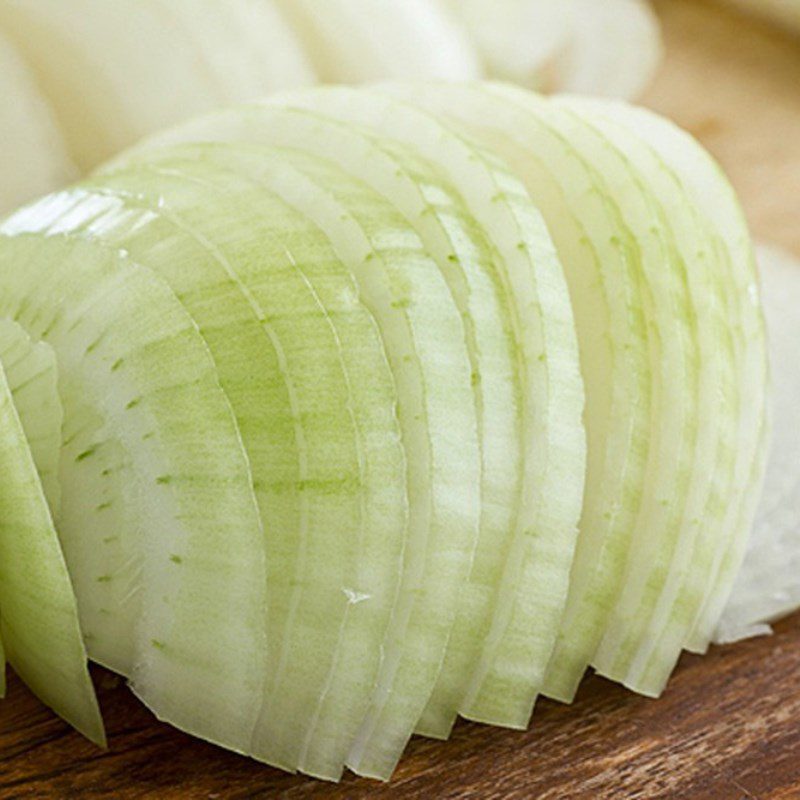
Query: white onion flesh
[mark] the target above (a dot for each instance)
(614, 49)
(112, 77)
(33, 158)
(768, 586)
(328, 367)
(356, 41)
(518, 40)
(39, 630)
(83, 81)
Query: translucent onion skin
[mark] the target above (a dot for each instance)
(378, 407)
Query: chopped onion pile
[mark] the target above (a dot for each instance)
(377, 407)
(83, 80)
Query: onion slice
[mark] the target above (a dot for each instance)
(33, 158)
(138, 376)
(768, 586)
(614, 49)
(114, 72)
(355, 41)
(38, 612)
(518, 40)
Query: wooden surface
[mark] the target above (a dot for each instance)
(728, 727)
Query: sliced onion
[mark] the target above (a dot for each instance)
(39, 623)
(467, 261)
(33, 157)
(322, 363)
(114, 72)
(355, 41)
(518, 40)
(614, 49)
(135, 376)
(667, 574)
(768, 586)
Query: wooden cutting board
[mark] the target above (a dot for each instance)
(727, 728)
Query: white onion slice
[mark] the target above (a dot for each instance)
(615, 49)
(768, 585)
(517, 39)
(33, 159)
(115, 72)
(352, 41)
(32, 375)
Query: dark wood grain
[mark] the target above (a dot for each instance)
(728, 727)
